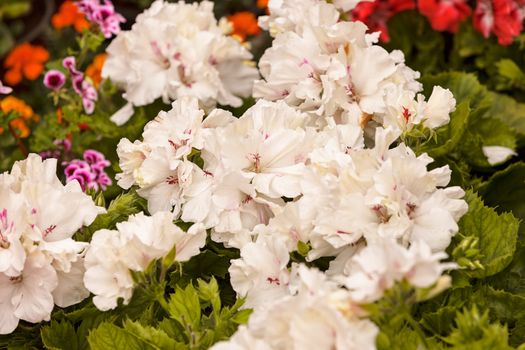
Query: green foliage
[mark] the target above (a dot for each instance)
(59, 335)
(192, 318)
(494, 236)
(474, 331)
(126, 204)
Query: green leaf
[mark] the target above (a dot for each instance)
(109, 336)
(242, 316)
(155, 337)
(511, 73)
(184, 306)
(209, 293)
(512, 279)
(119, 209)
(496, 235)
(486, 132)
(512, 113)
(474, 331)
(440, 321)
(59, 335)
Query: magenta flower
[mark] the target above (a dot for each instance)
(103, 14)
(54, 79)
(89, 172)
(81, 86)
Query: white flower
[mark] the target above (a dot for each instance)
(40, 263)
(131, 156)
(380, 265)
(438, 108)
(70, 289)
(176, 50)
(315, 314)
(268, 144)
(28, 296)
(261, 274)
(290, 15)
(132, 247)
(12, 225)
(497, 154)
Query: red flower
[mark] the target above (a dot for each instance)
(502, 17)
(376, 14)
(444, 15)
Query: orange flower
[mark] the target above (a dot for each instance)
(262, 4)
(69, 15)
(244, 24)
(24, 111)
(25, 60)
(94, 70)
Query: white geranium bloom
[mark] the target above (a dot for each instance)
(159, 165)
(33, 169)
(315, 314)
(107, 275)
(333, 70)
(293, 224)
(131, 156)
(179, 128)
(28, 296)
(40, 263)
(290, 15)
(58, 212)
(261, 274)
(175, 50)
(12, 225)
(132, 247)
(438, 108)
(497, 154)
(379, 266)
(158, 235)
(268, 144)
(70, 289)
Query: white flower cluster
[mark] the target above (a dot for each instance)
(316, 314)
(113, 254)
(40, 264)
(316, 163)
(332, 70)
(179, 49)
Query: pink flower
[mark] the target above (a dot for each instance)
(502, 17)
(89, 172)
(54, 79)
(104, 15)
(81, 86)
(444, 15)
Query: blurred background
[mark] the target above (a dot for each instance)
(30, 20)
